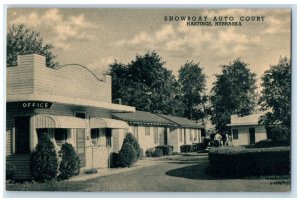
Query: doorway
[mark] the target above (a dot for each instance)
(252, 135)
(165, 136)
(22, 132)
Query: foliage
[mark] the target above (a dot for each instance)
(233, 92)
(127, 155)
(276, 94)
(186, 148)
(240, 162)
(130, 139)
(192, 87)
(23, 40)
(146, 84)
(270, 143)
(44, 163)
(114, 160)
(70, 163)
(166, 149)
(154, 152)
(10, 170)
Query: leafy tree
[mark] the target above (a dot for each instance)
(192, 86)
(130, 139)
(146, 84)
(44, 162)
(70, 163)
(127, 155)
(23, 40)
(276, 94)
(233, 92)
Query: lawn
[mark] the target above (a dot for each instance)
(170, 174)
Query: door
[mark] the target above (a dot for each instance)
(22, 135)
(165, 136)
(80, 144)
(252, 135)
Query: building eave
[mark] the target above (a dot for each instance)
(69, 101)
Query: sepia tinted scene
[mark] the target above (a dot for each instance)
(148, 100)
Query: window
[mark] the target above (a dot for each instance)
(235, 134)
(22, 135)
(80, 115)
(155, 131)
(191, 135)
(147, 130)
(96, 134)
(108, 137)
(60, 136)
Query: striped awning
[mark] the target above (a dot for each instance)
(107, 123)
(53, 121)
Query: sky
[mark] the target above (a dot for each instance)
(95, 37)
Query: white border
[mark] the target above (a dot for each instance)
(155, 4)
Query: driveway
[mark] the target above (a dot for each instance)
(182, 174)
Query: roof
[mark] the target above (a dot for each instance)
(251, 119)
(143, 118)
(69, 100)
(183, 122)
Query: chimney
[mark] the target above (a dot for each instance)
(31, 60)
(119, 100)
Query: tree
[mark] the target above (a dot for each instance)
(23, 40)
(127, 155)
(192, 87)
(70, 163)
(44, 162)
(233, 92)
(130, 139)
(276, 94)
(146, 84)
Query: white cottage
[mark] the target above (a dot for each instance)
(246, 130)
(155, 129)
(71, 104)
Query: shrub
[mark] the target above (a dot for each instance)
(130, 139)
(166, 149)
(127, 155)
(150, 152)
(186, 148)
(199, 146)
(70, 163)
(239, 161)
(10, 170)
(44, 160)
(158, 152)
(270, 143)
(154, 152)
(114, 160)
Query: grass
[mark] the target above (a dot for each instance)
(47, 186)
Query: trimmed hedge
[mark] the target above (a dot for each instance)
(271, 143)
(127, 155)
(240, 162)
(166, 149)
(130, 139)
(10, 170)
(44, 161)
(154, 152)
(114, 160)
(70, 163)
(192, 147)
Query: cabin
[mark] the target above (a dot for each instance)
(152, 130)
(187, 132)
(149, 129)
(72, 104)
(245, 130)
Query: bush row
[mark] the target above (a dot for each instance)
(47, 165)
(160, 150)
(192, 147)
(239, 161)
